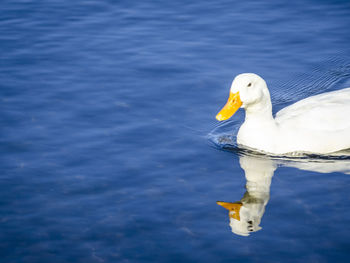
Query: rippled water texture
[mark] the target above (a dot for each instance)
(106, 110)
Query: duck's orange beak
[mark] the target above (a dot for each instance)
(234, 209)
(232, 105)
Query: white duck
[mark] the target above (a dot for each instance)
(318, 124)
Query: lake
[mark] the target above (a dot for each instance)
(110, 150)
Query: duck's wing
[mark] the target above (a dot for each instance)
(324, 112)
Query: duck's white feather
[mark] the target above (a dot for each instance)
(324, 112)
(317, 124)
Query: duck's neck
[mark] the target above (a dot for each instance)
(259, 129)
(261, 111)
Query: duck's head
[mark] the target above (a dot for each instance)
(247, 90)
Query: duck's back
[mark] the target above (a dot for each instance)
(328, 111)
(324, 118)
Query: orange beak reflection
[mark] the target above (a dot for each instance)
(234, 209)
(232, 105)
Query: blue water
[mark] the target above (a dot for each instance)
(107, 123)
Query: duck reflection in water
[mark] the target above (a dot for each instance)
(245, 215)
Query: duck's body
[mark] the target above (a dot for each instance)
(318, 124)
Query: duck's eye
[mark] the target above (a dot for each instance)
(249, 84)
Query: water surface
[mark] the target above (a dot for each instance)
(105, 113)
